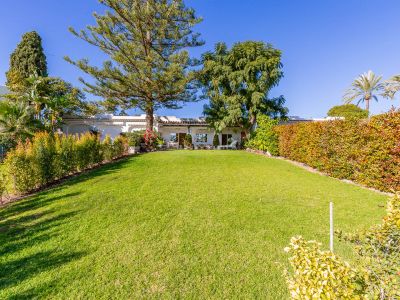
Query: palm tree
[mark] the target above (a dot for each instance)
(392, 86)
(364, 88)
(17, 119)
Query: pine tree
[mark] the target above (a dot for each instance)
(148, 66)
(26, 61)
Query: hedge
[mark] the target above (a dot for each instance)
(48, 157)
(365, 151)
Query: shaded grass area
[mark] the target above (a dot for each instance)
(179, 224)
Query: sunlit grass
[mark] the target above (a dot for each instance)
(180, 224)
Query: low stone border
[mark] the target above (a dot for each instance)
(312, 170)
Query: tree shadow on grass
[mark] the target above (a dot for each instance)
(26, 230)
(23, 252)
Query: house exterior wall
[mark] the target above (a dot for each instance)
(115, 125)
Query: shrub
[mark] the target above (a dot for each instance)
(366, 151)
(135, 138)
(119, 146)
(65, 163)
(348, 111)
(20, 168)
(150, 139)
(34, 164)
(320, 274)
(378, 253)
(216, 140)
(265, 138)
(107, 148)
(43, 154)
(325, 276)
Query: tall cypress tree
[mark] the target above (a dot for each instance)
(27, 60)
(148, 65)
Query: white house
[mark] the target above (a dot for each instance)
(172, 129)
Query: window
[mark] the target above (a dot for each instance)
(201, 138)
(173, 137)
(226, 139)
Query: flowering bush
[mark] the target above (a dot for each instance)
(150, 139)
(49, 157)
(366, 151)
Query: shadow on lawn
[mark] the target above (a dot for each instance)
(28, 224)
(23, 237)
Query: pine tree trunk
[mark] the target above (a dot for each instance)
(150, 118)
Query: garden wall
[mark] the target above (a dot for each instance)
(365, 151)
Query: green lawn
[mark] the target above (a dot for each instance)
(179, 224)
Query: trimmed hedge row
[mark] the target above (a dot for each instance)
(34, 164)
(365, 151)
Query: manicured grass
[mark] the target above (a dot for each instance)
(180, 224)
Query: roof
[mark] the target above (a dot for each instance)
(172, 120)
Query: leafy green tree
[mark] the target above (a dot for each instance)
(27, 60)
(146, 42)
(51, 98)
(392, 86)
(348, 111)
(364, 88)
(17, 120)
(238, 81)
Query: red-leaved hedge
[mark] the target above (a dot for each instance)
(365, 151)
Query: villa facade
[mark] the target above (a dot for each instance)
(172, 129)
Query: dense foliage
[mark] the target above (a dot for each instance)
(36, 102)
(146, 43)
(264, 138)
(321, 274)
(238, 81)
(378, 251)
(365, 151)
(348, 111)
(135, 139)
(50, 157)
(26, 61)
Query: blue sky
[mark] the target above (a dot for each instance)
(325, 44)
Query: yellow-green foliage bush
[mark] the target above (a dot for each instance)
(378, 253)
(43, 154)
(320, 274)
(366, 151)
(49, 157)
(65, 163)
(19, 166)
(264, 138)
(120, 146)
(107, 148)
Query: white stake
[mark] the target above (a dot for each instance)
(331, 226)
